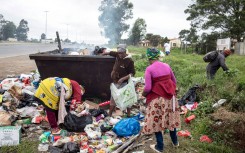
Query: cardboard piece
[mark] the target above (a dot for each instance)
(10, 135)
(91, 104)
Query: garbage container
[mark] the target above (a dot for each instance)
(92, 72)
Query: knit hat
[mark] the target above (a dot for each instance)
(152, 53)
(121, 48)
(227, 52)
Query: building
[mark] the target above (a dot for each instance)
(144, 43)
(175, 42)
(240, 48)
(47, 41)
(12, 39)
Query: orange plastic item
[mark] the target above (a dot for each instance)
(188, 119)
(205, 138)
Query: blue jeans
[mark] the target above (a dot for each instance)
(159, 138)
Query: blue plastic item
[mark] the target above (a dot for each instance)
(127, 127)
(139, 117)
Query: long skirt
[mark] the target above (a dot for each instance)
(161, 115)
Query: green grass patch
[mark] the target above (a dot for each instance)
(24, 147)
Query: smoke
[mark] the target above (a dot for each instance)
(113, 17)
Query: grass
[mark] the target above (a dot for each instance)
(25, 146)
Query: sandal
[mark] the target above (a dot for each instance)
(56, 131)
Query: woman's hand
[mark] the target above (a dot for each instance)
(120, 81)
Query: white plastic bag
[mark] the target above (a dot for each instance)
(125, 96)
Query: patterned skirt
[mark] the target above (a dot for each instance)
(160, 115)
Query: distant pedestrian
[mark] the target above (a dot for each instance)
(218, 62)
(167, 48)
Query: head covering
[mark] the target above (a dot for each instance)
(152, 53)
(121, 48)
(227, 52)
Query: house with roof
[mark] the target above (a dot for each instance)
(175, 42)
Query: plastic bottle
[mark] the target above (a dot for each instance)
(24, 121)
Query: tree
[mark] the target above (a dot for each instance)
(207, 42)
(138, 31)
(22, 30)
(1, 26)
(163, 40)
(155, 39)
(43, 36)
(113, 18)
(148, 36)
(8, 30)
(225, 15)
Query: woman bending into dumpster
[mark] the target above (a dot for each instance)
(162, 110)
(49, 92)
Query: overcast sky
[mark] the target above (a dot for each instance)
(79, 18)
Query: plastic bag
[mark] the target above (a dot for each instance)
(93, 132)
(125, 96)
(72, 123)
(53, 149)
(97, 112)
(71, 147)
(127, 127)
(205, 138)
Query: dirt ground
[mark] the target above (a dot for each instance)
(232, 124)
(16, 65)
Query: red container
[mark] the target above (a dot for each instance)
(188, 119)
(104, 103)
(57, 137)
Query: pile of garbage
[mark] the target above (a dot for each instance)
(86, 129)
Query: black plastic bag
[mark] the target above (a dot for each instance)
(53, 149)
(71, 147)
(190, 96)
(2, 91)
(72, 123)
(105, 128)
(97, 112)
(27, 100)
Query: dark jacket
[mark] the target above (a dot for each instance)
(213, 66)
(122, 67)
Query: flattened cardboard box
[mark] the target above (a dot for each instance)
(10, 135)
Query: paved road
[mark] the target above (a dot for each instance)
(16, 49)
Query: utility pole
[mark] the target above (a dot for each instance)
(67, 31)
(46, 25)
